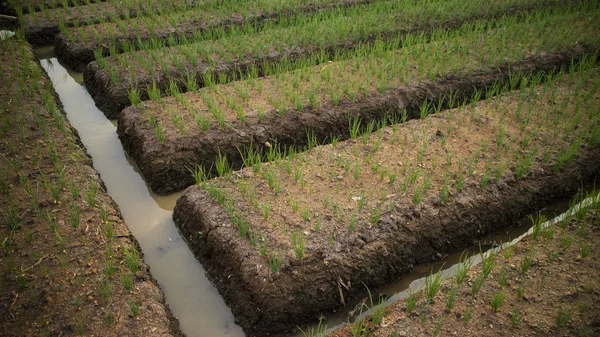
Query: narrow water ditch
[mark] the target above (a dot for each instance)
(189, 294)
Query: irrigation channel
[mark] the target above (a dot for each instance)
(193, 300)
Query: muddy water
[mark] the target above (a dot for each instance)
(191, 297)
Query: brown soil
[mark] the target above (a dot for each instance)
(561, 282)
(112, 98)
(60, 276)
(78, 54)
(41, 30)
(165, 167)
(393, 232)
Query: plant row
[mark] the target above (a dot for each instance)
(317, 38)
(282, 108)
(41, 26)
(81, 45)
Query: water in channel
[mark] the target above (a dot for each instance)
(189, 294)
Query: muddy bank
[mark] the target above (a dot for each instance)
(165, 166)
(112, 96)
(77, 54)
(405, 237)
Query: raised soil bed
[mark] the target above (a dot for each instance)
(190, 26)
(166, 167)
(41, 28)
(110, 80)
(394, 213)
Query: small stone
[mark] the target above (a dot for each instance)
(491, 326)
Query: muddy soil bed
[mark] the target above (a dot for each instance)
(36, 5)
(165, 167)
(64, 243)
(371, 229)
(557, 295)
(77, 55)
(274, 304)
(112, 98)
(43, 30)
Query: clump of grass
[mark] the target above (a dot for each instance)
(433, 284)
(563, 318)
(275, 261)
(463, 267)
(411, 302)
(91, 193)
(527, 261)
(450, 297)
(298, 245)
(515, 317)
(131, 259)
(488, 262)
(477, 284)
(584, 249)
(318, 331)
(497, 301)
